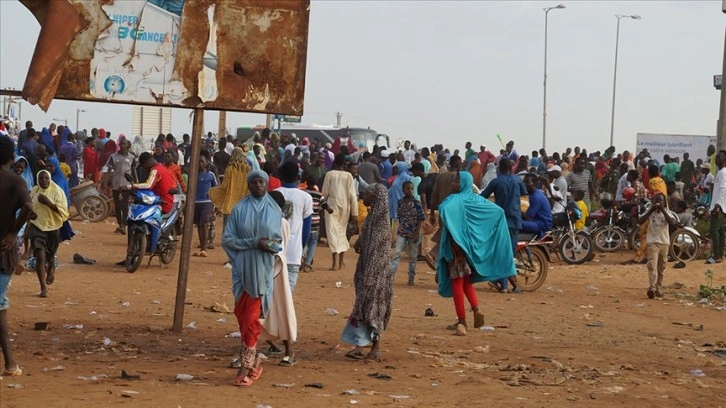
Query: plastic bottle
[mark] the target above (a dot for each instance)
(273, 246)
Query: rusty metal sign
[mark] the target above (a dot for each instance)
(236, 55)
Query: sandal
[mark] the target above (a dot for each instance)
(478, 319)
(287, 361)
(374, 356)
(355, 354)
(460, 330)
(14, 373)
(243, 381)
(452, 326)
(255, 373)
(43, 294)
(236, 363)
(274, 351)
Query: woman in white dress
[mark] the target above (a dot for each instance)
(281, 321)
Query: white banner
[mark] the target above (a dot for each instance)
(674, 145)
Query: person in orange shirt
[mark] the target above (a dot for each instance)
(656, 183)
(170, 160)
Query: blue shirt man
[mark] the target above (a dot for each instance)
(508, 190)
(386, 168)
(538, 218)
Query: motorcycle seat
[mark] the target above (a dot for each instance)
(526, 237)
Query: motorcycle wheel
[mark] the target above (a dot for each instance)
(168, 252)
(575, 249)
(608, 239)
(138, 247)
(634, 239)
(531, 271)
(685, 245)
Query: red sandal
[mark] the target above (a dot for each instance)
(255, 373)
(243, 381)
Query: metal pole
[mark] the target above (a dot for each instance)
(222, 129)
(615, 78)
(78, 113)
(721, 131)
(187, 237)
(268, 121)
(544, 103)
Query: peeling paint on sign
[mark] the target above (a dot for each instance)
(237, 55)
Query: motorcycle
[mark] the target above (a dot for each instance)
(610, 225)
(531, 262)
(573, 247)
(686, 242)
(149, 231)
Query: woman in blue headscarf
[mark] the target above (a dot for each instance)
(47, 139)
(251, 240)
(53, 166)
(252, 160)
(22, 169)
(395, 193)
(475, 247)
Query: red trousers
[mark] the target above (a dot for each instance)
(462, 287)
(248, 312)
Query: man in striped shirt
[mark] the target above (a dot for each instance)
(580, 179)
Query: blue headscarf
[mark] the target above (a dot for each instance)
(27, 173)
(479, 227)
(59, 178)
(395, 193)
(252, 160)
(47, 139)
(64, 135)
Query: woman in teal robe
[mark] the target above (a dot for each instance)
(475, 247)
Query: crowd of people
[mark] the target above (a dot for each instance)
(460, 212)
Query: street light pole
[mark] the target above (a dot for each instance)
(615, 73)
(544, 97)
(78, 114)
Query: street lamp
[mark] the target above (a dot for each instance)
(615, 71)
(78, 113)
(544, 107)
(65, 121)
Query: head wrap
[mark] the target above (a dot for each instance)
(59, 178)
(252, 160)
(234, 184)
(257, 173)
(27, 174)
(395, 193)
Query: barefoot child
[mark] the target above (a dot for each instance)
(203, 206)
(410, 218)
(658, 240)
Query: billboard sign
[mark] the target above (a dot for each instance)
(236, 55)
(674, 145)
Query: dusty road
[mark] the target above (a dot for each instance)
(588, 336)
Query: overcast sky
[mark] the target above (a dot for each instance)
(450, 72)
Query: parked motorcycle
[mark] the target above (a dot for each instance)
(573, 247)
(149, 231)
(531, 262)
(611, 226)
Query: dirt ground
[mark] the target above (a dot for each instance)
(589, 336)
